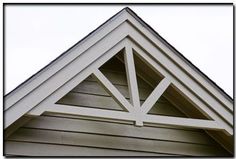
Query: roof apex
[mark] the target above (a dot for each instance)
(117, 25)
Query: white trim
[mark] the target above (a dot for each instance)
(155, 95)
(91, 112)
(64, 75)
(179, 73)
(185, 122)
(58, 94)
(60, 63)
(200, 105)
(79, 62)
(129, 116)
(131, 77)
(113, 91)
(156, 40)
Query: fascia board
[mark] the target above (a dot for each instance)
(66, 73)
(40, 77)
(199, 104)
(31, 88)
(156, 39)
(73, 82)
(178, 72)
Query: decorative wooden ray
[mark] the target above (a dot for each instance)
(123, 31)
(135, 112)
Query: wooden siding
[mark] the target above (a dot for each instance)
(65, 135)
(57, 132)
(40, 149)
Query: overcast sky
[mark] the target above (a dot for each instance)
(36, 35)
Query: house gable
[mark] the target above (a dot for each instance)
(60, 134)
(125, 31)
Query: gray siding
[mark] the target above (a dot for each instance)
(67, 135)
(56, 133)
(40, 149)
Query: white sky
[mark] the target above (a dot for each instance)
(36, 35)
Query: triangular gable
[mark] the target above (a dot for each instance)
(124, 31)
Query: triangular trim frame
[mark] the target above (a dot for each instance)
(127, 29)
(136, 112)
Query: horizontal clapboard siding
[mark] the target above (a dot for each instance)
(114, 142)
(42, 149)
(92, 87)
(88, 100)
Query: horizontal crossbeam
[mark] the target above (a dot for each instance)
(184, 122)
(128, 116)
(91, 112)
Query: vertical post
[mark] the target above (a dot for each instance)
(132, 83)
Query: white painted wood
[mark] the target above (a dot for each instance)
(71, 55)
(179, 73)
(113, 91)
(185, 122)
(73, 70)
(203, 94)
(131, 77)
(118, 121)
(53, 98)
(68, 73)
(132, 116)
(132, 83)
(200, 105)
(155, 95)
(137, 38)
(209, 87)
(92, 112)
(141, 116)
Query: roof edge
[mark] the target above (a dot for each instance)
(61, 55)
(172, 48)
(139, 19)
